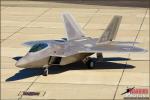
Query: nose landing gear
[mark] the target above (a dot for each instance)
(45, 71)
(52, 60)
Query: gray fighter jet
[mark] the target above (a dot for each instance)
(76, 47)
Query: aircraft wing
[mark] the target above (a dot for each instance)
(123, 43)
(99, 49)
(118, 43)
(113, 49)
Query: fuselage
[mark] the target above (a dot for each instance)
(48, 55)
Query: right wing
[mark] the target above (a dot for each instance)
(113, 49)
(72, 29)
(118, 43)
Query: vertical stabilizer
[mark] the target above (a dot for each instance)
(72, 29)
(112, 29)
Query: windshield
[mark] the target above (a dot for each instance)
(38, 47)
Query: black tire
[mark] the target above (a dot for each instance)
(90, 64)
(45, 72)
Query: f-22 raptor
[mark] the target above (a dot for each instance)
(76, 47)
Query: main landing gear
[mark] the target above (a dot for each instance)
(89, 62)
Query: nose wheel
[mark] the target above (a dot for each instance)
(45, 71)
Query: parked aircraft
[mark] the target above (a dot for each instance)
(76, 47)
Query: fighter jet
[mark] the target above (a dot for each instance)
(75, 47)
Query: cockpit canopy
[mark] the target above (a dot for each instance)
(38, 47)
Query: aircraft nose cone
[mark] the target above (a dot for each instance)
(21, 63)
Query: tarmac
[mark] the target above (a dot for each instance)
(23, 21)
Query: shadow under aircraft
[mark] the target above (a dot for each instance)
(30, 72)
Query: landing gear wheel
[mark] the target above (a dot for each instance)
(91, 64)
(45, 72)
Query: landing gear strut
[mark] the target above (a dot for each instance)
(45, 71)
